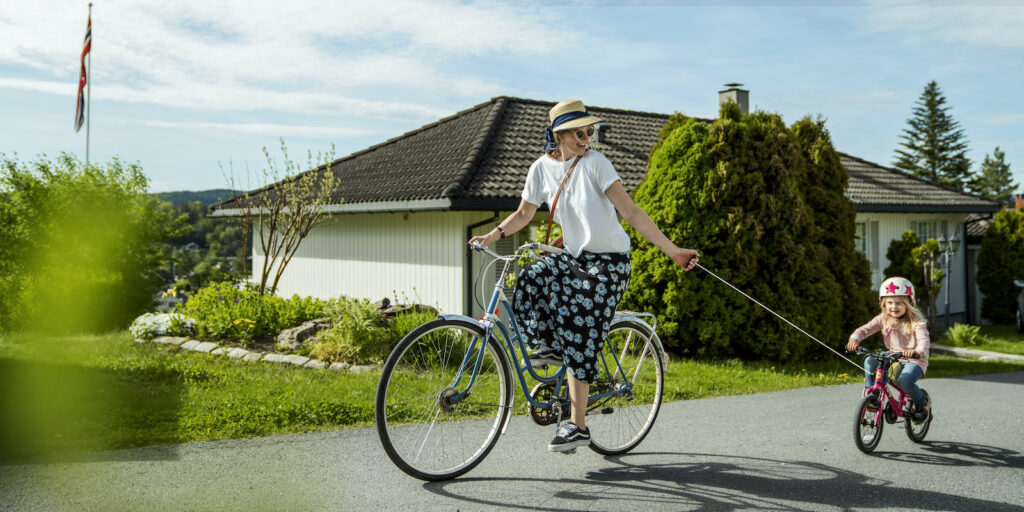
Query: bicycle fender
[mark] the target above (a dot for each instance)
(462, 318)
(625, 316)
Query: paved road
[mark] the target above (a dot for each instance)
(789, 450)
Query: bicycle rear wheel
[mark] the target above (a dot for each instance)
(620, 422)
(867, 431)
(426, 429)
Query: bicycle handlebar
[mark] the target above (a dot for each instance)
(861, 351)
(525, 247)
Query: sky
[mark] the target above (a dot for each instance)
(195, 90)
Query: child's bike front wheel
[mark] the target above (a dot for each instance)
(443, 398)
(867, 431)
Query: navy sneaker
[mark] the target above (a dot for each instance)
(921, 412)
(544, 357)
(569, 437)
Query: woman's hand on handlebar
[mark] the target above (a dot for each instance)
(686, 258)
(483, 240)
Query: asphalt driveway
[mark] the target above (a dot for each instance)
(790, 450)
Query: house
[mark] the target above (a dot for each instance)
(404, 208)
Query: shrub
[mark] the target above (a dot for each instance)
(963, 335)
(1000, 262)
(236, 312)
(405, 322)
(357, 335)
(765, 205)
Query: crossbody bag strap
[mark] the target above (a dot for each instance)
(554, 202)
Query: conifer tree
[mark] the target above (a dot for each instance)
(994, 179)
(934, 145)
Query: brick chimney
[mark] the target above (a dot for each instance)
(739, 96)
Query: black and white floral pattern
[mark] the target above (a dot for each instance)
(566, 304)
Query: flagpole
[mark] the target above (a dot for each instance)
(88, 94)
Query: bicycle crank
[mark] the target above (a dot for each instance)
(543, 393)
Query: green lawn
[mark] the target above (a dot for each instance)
(86, 393)
(1001, 338)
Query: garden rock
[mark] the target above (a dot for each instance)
(339, 367)
(190, 345)
(219, 351)
(389, 311)
(252, 356)
(237, 353)
(313, 363)
(275, 358)
(293, 338)
(170, 340)
(297, 360)
(204, 347)
(362, 369)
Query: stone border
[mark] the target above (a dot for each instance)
(209, 347)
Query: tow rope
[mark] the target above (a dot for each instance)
(777, 315)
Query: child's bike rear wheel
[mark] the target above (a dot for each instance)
(432, 424)
(620, 422)
(916, 431)
(867, 431)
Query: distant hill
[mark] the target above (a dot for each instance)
(206, 197)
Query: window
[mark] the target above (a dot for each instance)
(927, 229)
(860, 237)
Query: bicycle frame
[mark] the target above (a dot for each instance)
(492, 324)
(881, 385)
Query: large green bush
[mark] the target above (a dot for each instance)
(235, 312)
(765, 205)
(1001, 262)
(79, 249)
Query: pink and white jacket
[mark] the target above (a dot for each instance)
(895, 339)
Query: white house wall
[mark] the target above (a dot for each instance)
(415, 257)
(883, 228)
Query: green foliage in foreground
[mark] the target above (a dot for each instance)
(90, 393)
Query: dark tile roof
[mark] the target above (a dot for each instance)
(478, 159)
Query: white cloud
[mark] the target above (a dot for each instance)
(283, 130)
(299, 56)
(992, 23)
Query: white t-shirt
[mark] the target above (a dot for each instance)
(588, 219)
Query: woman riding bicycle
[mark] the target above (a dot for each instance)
(565, 302)
(904, 330)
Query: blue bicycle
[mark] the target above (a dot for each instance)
(446, 392)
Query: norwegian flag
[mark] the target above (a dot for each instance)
(82, 79)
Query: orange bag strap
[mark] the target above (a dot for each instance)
(551, 215)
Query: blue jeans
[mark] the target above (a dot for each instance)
(907, 382)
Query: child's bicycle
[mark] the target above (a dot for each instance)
(878, 406)
(446, 391)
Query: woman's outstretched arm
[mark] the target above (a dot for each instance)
(638, 218)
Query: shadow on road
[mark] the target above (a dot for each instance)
(682, 481)
(947, 453)
(1002, 378)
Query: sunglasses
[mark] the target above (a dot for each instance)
(588, 131)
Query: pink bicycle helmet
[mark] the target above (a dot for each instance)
(897, 287)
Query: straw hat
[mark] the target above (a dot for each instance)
(568, 106)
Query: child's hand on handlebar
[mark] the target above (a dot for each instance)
(909, 352)
(852, 345)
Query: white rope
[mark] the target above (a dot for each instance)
(777, 315)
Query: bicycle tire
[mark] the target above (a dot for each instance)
(867, 428)
(618, 424)
(423, 434)
(917, 431)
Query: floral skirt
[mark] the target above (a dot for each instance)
(567, 304)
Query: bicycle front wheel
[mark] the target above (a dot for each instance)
(620, 422)
(443, 397)
(917, 430)
(867, 431)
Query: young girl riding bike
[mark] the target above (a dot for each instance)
(905, 330)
